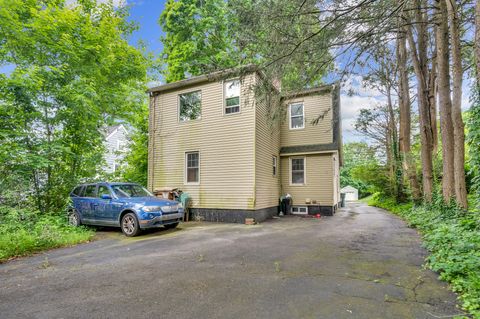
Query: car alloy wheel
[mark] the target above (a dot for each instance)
(130, 225)
(73, 219)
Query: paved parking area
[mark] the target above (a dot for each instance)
(360, 263)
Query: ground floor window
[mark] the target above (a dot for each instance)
(192, 167)
(300, 210)
(297, 170)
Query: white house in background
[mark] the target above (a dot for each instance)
(351, 193)
(116, 143)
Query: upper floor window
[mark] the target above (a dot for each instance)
(297, 116)
(190, 106)
(232, 96)
(297, 170)
(121, 145)
(192, 167)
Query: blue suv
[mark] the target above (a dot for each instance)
(126, 205)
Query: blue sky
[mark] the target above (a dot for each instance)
(146, 14)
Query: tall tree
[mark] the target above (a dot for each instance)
(419, 55)
(444, 100)
(405, 116)
(458, 125)
(381, 76)
(197, 38)
(477, 40)
(73, 72)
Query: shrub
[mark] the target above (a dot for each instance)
(452, 237)
(24, 231)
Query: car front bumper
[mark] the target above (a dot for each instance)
(159, 221)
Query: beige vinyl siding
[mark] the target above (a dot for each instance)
(314, 105)
(336, 179)
(319, 184)
(267, 186)
(226, 144)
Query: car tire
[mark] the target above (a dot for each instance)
(171, 226)
(74, 219)
(129, 225)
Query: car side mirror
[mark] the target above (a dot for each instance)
(106, 196)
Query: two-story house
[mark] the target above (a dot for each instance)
(214, 140)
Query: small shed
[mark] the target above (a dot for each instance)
(351, 193)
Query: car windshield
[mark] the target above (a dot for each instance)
(130, 190)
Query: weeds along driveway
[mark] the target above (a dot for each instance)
(361, 263)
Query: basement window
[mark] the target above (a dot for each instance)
(300, 210)
(232, 96)
(190, 106)
(297, 116)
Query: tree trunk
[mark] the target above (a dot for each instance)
(432, 99)
(405, 118)
(445, 102)
(458, 125)
(419, 60)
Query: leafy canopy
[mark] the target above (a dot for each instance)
(73, 73)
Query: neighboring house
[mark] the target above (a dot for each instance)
(212, 139)
(116, 143)
(351, 193)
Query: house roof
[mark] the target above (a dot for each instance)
(203, 78)
(349, 188)
(109, 130)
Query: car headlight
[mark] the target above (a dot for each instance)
(169, 209)
(152, 208)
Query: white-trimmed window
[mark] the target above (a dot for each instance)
(121, 145)
(297, 116)
(232, 96)
(190, 106)
(297, 170)
(192, 167)
(274, 165)
(300, 210)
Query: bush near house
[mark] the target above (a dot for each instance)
(25, 231)
(452, 237)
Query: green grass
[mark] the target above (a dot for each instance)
(23, 232)
(452, 237)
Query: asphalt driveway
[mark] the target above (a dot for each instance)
(361, 263)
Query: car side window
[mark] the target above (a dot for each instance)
(103, 190)
(90, 191)
(77, 192)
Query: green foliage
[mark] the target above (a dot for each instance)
(24, 231)
(453, 238)
(197, 38)
(473, 139)
(73, 73)
(361, 169)
(135, 168)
